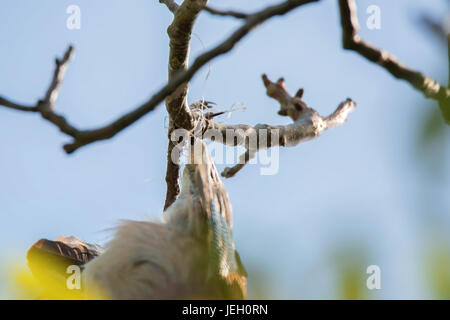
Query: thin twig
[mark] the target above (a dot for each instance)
(45, 106)
(53, 90)
(351, 41)
(9, 104)
(226, 13)
(244, 158)
(55, 85)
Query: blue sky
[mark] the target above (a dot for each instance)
(359, 183)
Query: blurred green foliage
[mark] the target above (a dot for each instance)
(432, 141)
(438, 269)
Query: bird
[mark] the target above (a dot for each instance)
(189, 254)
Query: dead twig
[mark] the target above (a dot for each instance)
(351, 41)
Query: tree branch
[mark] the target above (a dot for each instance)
(226, 13)
(84, 137)
(9, 104)
(172, 176)
(351, 41)
(60, 70)
(45, 106)
(179, 32)
(307, 124)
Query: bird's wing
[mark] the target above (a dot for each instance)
(50, 259)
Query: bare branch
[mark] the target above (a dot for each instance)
(244, 158)
(307, 124)
(9, 104)
(226, 13)
(340, 115)
(171, 4)
(82, 138)
(351, 41)
(53, 90)
(45, 106)
(179, 32)
(55, 85)
(172, 176)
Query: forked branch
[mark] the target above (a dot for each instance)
(84, 137)
(307, 124)
(179, 32)
(46, 106)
